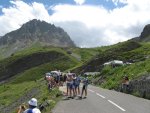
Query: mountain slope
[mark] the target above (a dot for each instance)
(24, 73)
(145, 35)
(34, 32)
(116, 52)
(22, 61)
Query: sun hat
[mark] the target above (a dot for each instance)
(33, 102)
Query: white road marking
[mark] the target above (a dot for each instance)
(116, 105)
(100, 95)
(91, 90)
(108, 100)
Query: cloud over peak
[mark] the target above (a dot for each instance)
(87, 25)
(20, 12)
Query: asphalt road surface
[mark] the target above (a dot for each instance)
(104, 101)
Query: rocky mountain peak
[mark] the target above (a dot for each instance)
(146, 32)
(38, 31)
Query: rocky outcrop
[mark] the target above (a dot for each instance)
(139, 87)
(145, 35)
(37, 31)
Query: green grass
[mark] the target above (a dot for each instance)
(114, 76)
(10, 92)
(50, 96)
(36, 49)
(119, 51)
(33, 77)
(61, 60)
(39, 71)
(25, 81)
(86, 55)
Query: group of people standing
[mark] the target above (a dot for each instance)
(55, 79)
(70, 80)
(73, 86)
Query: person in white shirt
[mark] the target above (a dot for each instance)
(32, 107)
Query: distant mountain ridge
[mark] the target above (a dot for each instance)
(34, 33)
(38, 31)
(145, 35)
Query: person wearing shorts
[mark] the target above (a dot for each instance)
(69, 85)
(74, 85)
(84, 88)
(71, 88)
(77, 85)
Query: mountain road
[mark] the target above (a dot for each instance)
(103, 101)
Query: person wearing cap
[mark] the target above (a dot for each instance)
(32, 107)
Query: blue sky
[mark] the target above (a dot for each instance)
(90, 23)
(107, 4)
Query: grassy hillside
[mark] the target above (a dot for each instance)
(119, 51)
(24, 72)
(111, 77)
(9, 50)
(85, 53)
(38, 72)
(14, 95)
(27, 59)
(28, 82)
(27, 68)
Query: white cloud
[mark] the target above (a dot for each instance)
(88, 25)
(110, 27)
(20, 13)
(82, 35)
(80, 2)
(90, 15)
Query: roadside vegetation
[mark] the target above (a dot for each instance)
(13, 95)
(22, 84)
(31, 80)
(111, 78)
